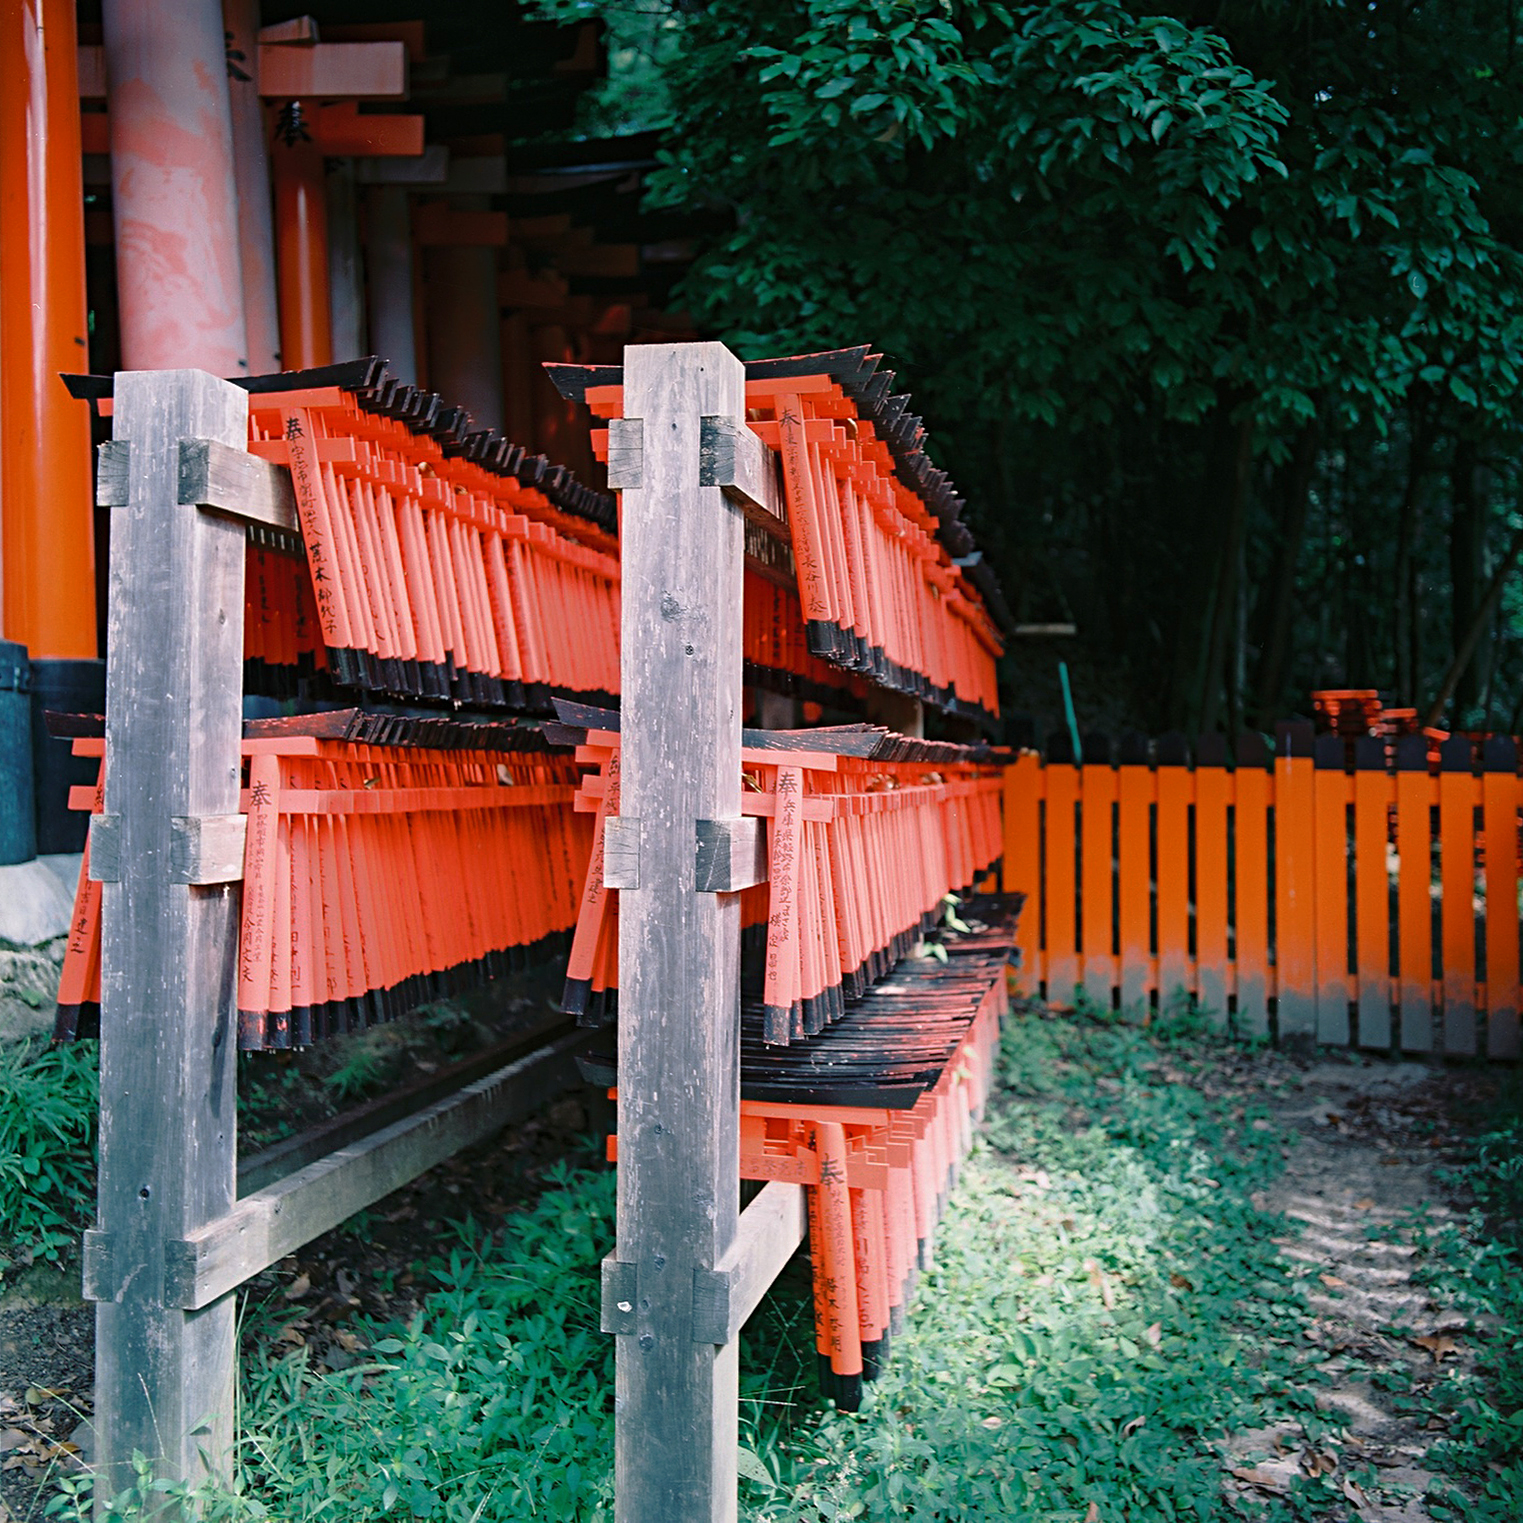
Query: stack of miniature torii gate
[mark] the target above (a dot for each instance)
(388, 862)
(886, 581)
(404, 537)
(869, 833)
(858, 1070)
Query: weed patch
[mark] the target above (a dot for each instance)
(1478, 1261)
(48, 1100)
(1105, 1306)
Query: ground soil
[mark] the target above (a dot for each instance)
(1372, 1137)
(1372, 1140)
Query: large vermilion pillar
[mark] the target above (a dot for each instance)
(251, 171)
(301, 241)
(46, 536)
(173, 190)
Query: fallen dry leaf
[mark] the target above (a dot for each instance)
(1354, 1492)
(1130, 1427)
(1098, 1279)
(1316, 1463)
(994, 1422)
(1260, 1478)
(1093, 1515)
(1179, 1281)
(1333, 1282)
(1437, 1344)
(298, 1287)
(1154, 1334)
(1367, 1204)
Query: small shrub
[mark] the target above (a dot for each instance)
(48, 1101)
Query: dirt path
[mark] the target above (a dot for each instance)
(1371, 1137)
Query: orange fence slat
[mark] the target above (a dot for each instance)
(1499, 800)
(1294, 882)
(1134, 871)
(1330, 891)
(1213, 790)
(1414, 900)
(1372, 893)
(1456, 829)
(1098, 793)
(1250, 813)
(1060, 900)
(1022, 872)
(1175, 787)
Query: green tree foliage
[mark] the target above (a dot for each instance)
(1213, 311)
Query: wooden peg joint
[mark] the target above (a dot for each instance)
(207, 848)
(626, 453)
(105, 848)
(619, 1282)
(731, 855)
(621, 852)
(733, 459)
(232, 481)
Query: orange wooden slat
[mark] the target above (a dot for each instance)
(1098, 966)
(1022, 870)
(1215, 981)
(1330, 796)
(1250, 814)
(1414, 902)
(1134, 794)
(1500, 790)
(1175, 788)
(1060, 897)
(1372, 894)
(1457, 798)
(1294, 880)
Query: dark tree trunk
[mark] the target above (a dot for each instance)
(1238, 437)
(1293, 491)
(1469, 637)
(1467, 568)
(1404, 575)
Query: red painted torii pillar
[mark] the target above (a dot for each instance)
(46, 526)
(173, 190)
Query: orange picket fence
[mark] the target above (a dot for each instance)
(1346, 891)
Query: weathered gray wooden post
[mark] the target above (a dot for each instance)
(671, 1290)
(168, 849)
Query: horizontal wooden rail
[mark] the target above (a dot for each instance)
(263, 1227)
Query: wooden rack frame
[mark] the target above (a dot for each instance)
(689, 1267)
(174, 1239)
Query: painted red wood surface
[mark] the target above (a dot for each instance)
(1269, 896)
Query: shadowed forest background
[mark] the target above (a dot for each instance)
(1213, 311)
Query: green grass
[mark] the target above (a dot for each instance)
(1478, 1261)
(48, 1106)
(1016, 1392)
